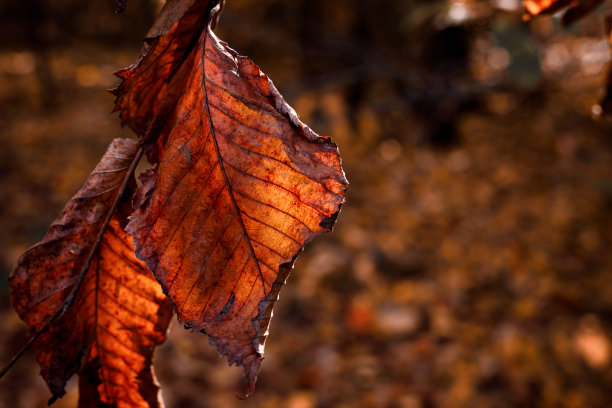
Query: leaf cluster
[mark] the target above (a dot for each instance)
(238, 185)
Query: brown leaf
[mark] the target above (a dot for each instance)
(242, 185)
(119, 313)
(577, 8)
(151, 86)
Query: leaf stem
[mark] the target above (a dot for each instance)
(72, 297)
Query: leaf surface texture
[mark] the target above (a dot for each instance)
(119, 314)
(241, 184)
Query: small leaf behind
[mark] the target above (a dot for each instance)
(119, 314)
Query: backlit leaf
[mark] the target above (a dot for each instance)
(241, 184)
(119, 314)
(576, 8)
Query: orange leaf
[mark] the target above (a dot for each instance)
(576, 8)
(241, 186)
(151, 86)
(537, 7)
(119, 314)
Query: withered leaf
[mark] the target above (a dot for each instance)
(119, 313)
(576, 8)
(241, 184)
(537, 7)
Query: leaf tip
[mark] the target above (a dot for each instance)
(328, 223)
(251, 369)
(121, 73)
(55, 397)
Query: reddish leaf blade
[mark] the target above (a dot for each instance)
(119, 313)
(242, 185)
(149, 87)
(537, 7)
(132, 316)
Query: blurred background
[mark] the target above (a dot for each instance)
(471, 264)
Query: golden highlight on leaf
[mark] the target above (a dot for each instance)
(537, 7)
(119, 314)
(151, 86)
(241, 184)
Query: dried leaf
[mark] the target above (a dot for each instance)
(241, 186)
(577, 8)
(151, 86)
(536, 7)
(119, 314)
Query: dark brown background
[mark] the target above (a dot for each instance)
(471, 264)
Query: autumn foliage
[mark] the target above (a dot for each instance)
(238, 186)
(111, 324)
(470, 270)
